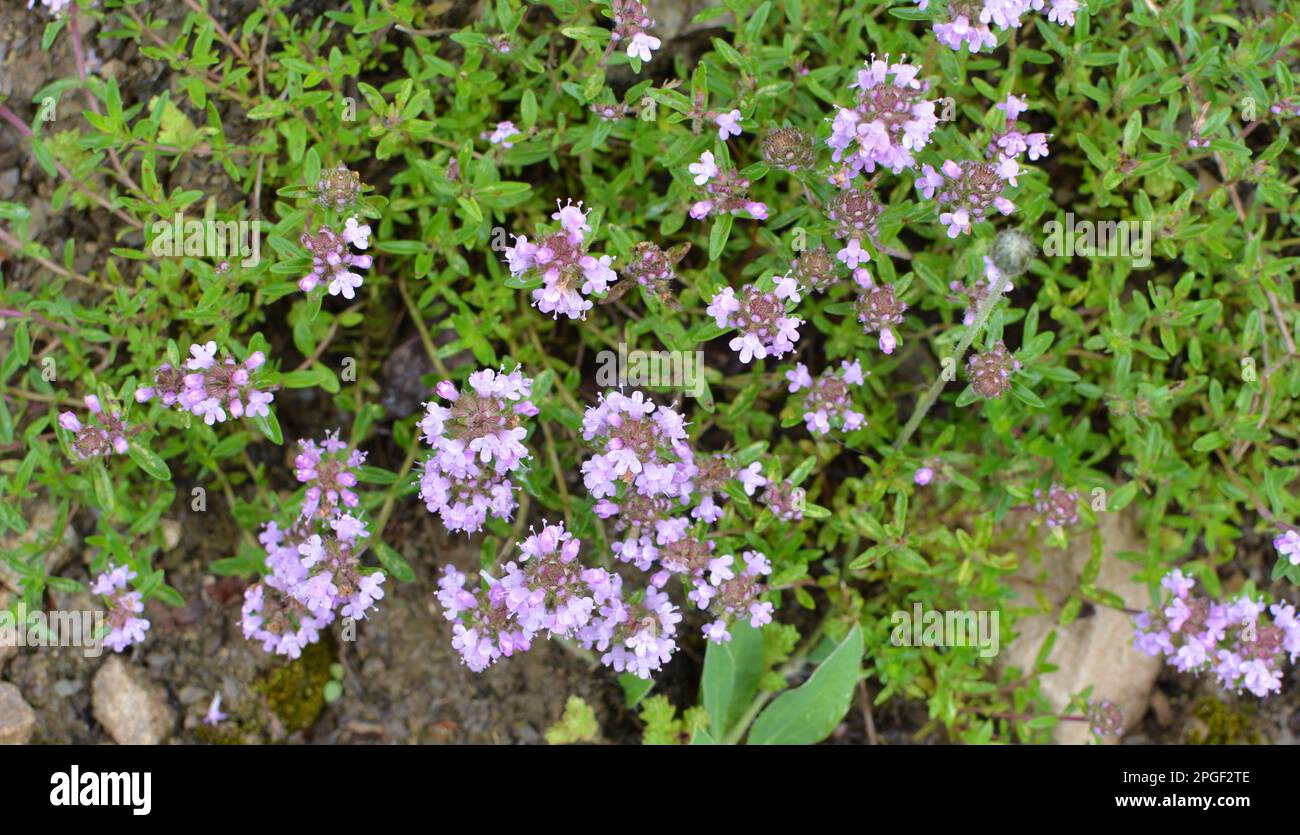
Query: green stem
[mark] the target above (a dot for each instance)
(932, 395)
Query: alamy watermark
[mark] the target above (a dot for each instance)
(946, 628)
(651, 369)
(194, 238)
(1100, 239)
(74, 787)
(60, 628)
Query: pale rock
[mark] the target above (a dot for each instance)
(131, 708)
(171, 530)
(1096, 650)
(17, 719)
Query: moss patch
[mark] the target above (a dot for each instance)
(295, 692)
(1219, 724)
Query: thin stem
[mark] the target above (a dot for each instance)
(221, 31)
(40, 320)
(9, 116)
(74, 28)
(928, 400)
(424, 332)
(391, 499)
(13, 243)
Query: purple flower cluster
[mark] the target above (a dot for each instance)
(765, 329)
(645, 474)
(879, 310)
(789, 149)
(815, 269)
(477, 442)
(978, 291)
(332, 261)
(654, 269)
(967, 190)
(712, 474)
(726, 192)
(328, 468)
(338, 189)
(1233, 640)
(827, 401)
(1285, 107)
(644, 471)
(108, 435)
(483, 630)
(1011, 142)
(785, 500)
(854, 214)
(569, 274)
(730, 592)
(314, 576)
(990, 372)
(552, 592)
(967, 21)
(891, 120)
(1058, 506)
(211, 388)
(125, 628)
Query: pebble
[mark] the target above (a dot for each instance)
(132, 709)
(17, 719)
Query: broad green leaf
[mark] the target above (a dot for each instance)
(808, 714)
(730, 679)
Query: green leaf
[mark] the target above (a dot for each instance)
(1024, 395)
(635, 688)
(718, 236)
(808, 714)
(269, 426)
(393, 563)
(1209, 442)
(103, 485)
(149, 461)
(730, 679)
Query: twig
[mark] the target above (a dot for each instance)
(9, 116)
(424, 332)
(928, 400)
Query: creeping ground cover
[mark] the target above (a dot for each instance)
(762, 371)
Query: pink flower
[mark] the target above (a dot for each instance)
(501, 134)
(477, 443)
(125, 628)
(332, 261)
(1288, 545)
(891, 119)
(827, 402)
(569, 274)
(641, 46)
(632, 22)
(705, 169)
(760, 318)
(215, 716)
(728, 124)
